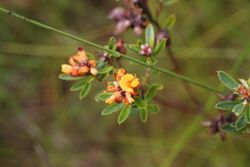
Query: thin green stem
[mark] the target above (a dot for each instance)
(49, 28)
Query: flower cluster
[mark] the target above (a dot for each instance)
(79, 65)
(146, 50)
(239, 105)
(243, 90)
(129, 17)
(150, 47)
(215, 125)
(123, 89)
(126, 94)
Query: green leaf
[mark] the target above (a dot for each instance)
(103, 96)
(144, 115)
(90, 56)
(151, 61)
(124, 114)
(159, 46)
(150, 35)
(68, 77)
(241, 123)
(139, 42)
(170, 2)
(226, 105)
(112, 108)
(115, 54)
(77, 86)
(112, 43)
(153, 108)
(100, 64)
(142, 104)
(227, 80)
(105, 70)
(133, 47)
(248, 115)
(228, 128)
(238, 109)
(152, 91)
(85, 90)
(101, 77)
(170, 22)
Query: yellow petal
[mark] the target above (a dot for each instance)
(67, 69)
(125, 83)
(135, 83)
(93, 71)
(111, 99)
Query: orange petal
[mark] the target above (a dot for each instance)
(78, 58)
(121, 72)
(92, 63)
(81, 56)
(72, 61)
(129, 98)
(83, 70)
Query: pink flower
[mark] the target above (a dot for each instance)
(146, 50)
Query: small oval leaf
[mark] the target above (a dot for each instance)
(153, 108)
(170, 22)
(238, 109)
(226, 105)
(105, 70)
(248, 115)
(77, 86)
(112, 108)
(85, 90)
(68, 77)
(160, 45)
(152, 91)
(144, 115)
(227, 80)
(142, 104)
(112, 43)
(228, 128)
(241, 123)
(124, 114)
(103, 96)
(133, 47)
(150, 35)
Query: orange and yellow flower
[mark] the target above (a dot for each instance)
(124, 88)
(79, 65)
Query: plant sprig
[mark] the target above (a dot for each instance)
(162, 70)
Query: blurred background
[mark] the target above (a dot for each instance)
(42, 123)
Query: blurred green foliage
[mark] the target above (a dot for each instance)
(44, 124)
